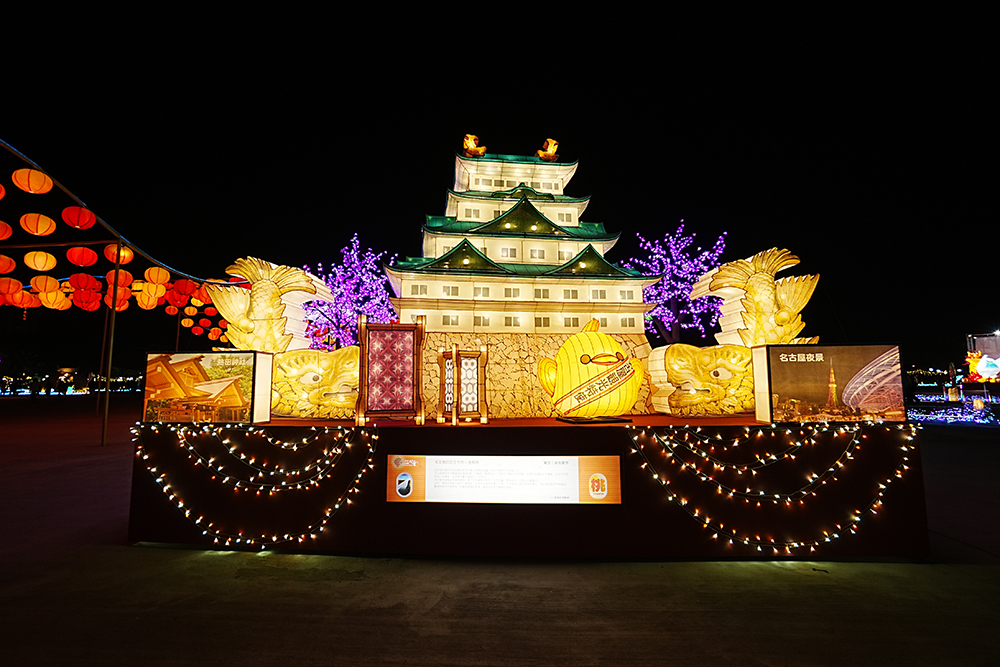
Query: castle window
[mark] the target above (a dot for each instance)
(449, 320)
(512, 292)
(481, 320)
(626, 295)
(418, 290)
(541, 322)
(628, 322)
(604, 322)
(508, 252)
(565, 217)
(481, 291)
(451, 290)
(542, 293)
(571, 322)
(472, 213)
(512, 321)
(565, 255)
(537, 253)
(599, 294)
(571, 294)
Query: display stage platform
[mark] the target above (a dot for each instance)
(715, 489)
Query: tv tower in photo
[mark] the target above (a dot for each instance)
(831, 397)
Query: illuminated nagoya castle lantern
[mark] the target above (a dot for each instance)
(511, 268)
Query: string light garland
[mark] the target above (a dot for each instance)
(687, 453)
(252, 475)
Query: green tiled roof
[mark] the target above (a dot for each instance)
(520, 219)
(453, 261)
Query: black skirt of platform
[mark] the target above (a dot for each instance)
(646, 525)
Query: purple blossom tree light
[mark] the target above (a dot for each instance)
(359, 286)
(681, 268)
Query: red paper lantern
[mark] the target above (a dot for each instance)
(87, 299)
(211, 312)
(24, 299)
(2, 192)
(32, 180)
(7, 264)
(197, 331)
(185, 287)
(5, 230)
(202, 295)
(84, 281)
(205, 322)
(171, 310)
(121, 302)
(81, 256)
(124, 277)
(38, 224)
(175, 298)
(111, 250)
(39, 261)
(78, 217)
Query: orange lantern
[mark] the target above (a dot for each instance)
(202, 295)
(38, 224)
(7, 264)
(157, 275)
(171, 310)
(145, 301)
(87, 299)
(121, 298)
(124, 277)
(5, 230)
(32, 180)
(81, 256)
(84, 281)
(24, 299)
(111, 250)
(9, 286)
(224, 324)
(185, 287)
(45, 284)
(78, 217)
(223, 338)
(187, 322)
(190, 311)
(2, 192)
(214, 333)
(54, 300)
(153, 290)
(39, 261)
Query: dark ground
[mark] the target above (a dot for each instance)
(73, 591)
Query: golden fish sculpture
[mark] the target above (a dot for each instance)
(269, 317)
(316, 384)
(691, 381)
(591, 376)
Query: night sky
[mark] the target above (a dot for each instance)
(868, 161)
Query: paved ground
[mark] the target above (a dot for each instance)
(72, 591)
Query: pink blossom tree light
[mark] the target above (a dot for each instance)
(681, 268)
(359, 285)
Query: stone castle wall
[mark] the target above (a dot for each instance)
(512, 386)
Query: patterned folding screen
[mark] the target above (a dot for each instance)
(469, 385)
(390, 370)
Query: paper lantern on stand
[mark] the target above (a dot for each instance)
(111, 250)
(39, 261)
(32, 181)
(38, 224)
(81, 256)
(5, 230)
(7, 264)
(78, 217)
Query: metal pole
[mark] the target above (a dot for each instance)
(111, 343)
